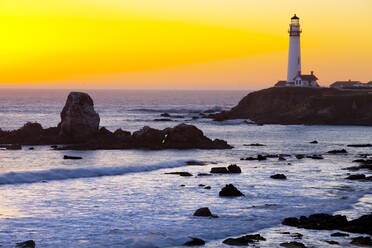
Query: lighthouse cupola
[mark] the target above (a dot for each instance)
(294, 27)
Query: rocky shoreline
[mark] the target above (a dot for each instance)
(301, 105)
(79, 130)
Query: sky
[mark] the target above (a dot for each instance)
(179, 44)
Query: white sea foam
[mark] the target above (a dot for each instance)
(64, 174)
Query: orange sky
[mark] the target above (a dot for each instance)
(183, 44)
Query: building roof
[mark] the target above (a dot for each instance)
(295, 17)
(369, 83)
(346, 83)
(281, 84)
(310, 77)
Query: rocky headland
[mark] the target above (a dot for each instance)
(79, 130)
(300, 105)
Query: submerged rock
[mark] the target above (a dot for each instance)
(244, 240)
(230, 191)
(181, 173)
(339, 234)
(341, 151)
(356, 177)
(314, 142)
(79, 120)
(26, 244)
(204, 212)
(293, 244)
(194, 242)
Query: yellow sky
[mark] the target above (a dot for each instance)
(179, 44)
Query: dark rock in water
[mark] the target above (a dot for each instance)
(201, 185)
(360, 225)
(79, 120)
(31, 148)
(204, 212)
(331, 242)
(292, 244)
(207, 187)
(71, 157)
(230, 191)
(26, 244)
(121, 134)
(233, 168)
(303, 105)
(204, 174)
(341, 151)
(332, 222)
(193, 162)
(280, 158)
(163, 119)
(219, 170)
(315, 156)
(194, 242)
(361, 241)
(185, 136)
(314, 142)
(360, 145)
(300, 156)
(261, 157)
(279, 176)
(54, 146)
(181, 173)
(149, 137)
(297, 235)
(244, 240)
(254, 144)
(339, 234)
(356, 177)
(182, 185)
(165, 115)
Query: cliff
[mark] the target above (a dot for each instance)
(313, 106)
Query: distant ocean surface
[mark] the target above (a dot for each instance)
(124, 199)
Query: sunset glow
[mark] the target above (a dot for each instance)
(167, 44)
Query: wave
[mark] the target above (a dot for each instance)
(65, 174)
(215, 108)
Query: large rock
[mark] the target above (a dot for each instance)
(79, 120)
(300, 105)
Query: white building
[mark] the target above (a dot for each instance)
(294, 76)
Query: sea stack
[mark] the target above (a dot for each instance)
(79, 120)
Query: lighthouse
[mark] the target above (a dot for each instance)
(294, 53)
(294, 76)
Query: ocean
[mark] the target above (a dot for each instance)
(123, 198)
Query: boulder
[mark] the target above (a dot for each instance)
(230, 191)
(204, 212)
(279, 176)
(314, 142)
(194, 242)
(79, 120)
(185, 136)
(233, 168)
(219, 170)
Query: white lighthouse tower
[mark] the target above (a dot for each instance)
(294, 54)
